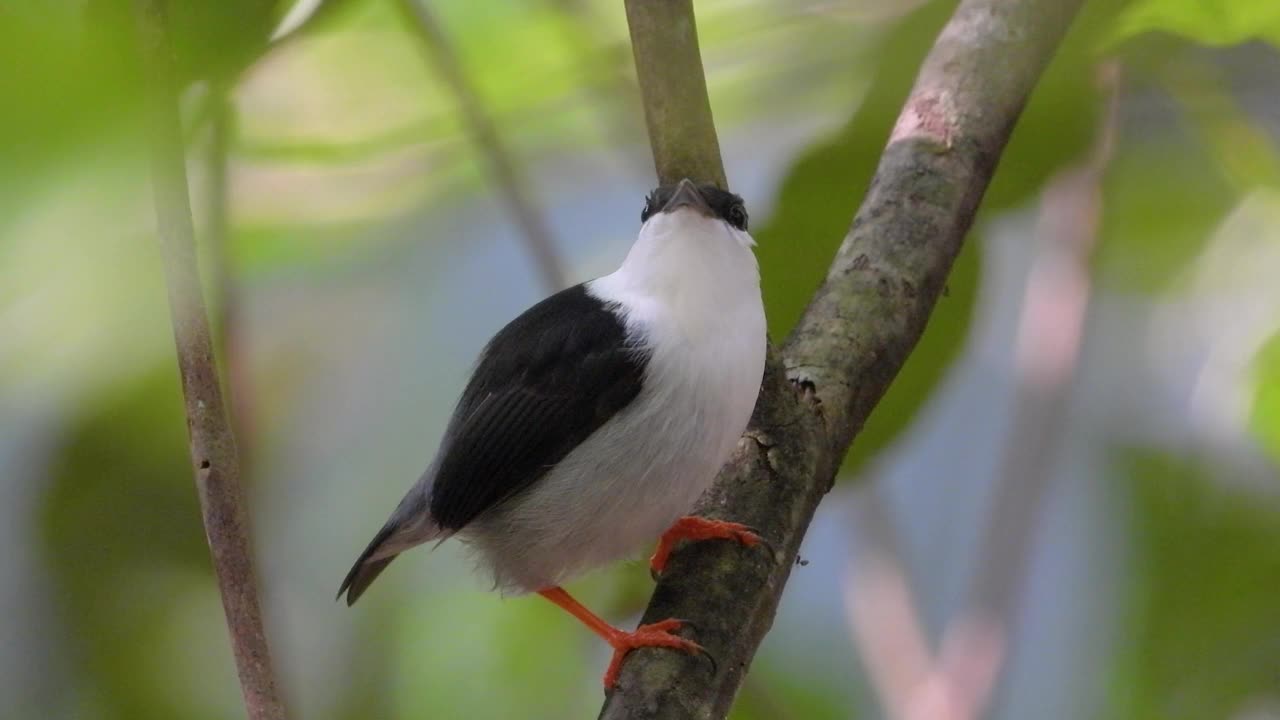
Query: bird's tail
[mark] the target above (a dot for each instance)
(408, 526)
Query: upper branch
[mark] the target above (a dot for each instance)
(891, 267)
(213, 447)
(677, 109)
(855, 334)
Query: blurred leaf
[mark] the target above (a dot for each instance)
(1164, 196)
(1214, 22)
(213, 40)
(1204, 629)
(1242, 146)
(1265, 417)
(62, 95)
(471, 654)
(127, 556)
(771, 692)
(1056, 129)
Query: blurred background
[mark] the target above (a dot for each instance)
(1079, 459)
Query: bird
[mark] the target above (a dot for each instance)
(593, 422)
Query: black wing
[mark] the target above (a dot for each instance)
(543, 384)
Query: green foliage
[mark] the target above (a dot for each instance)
(471, 641)
(1265, 416)
(344, 133)
(1163, 198)
(1166, 191)
(134, 587)
(1201, 635)
(773, 693)
(1213, 22)
(45, 69)
(1057, 127)
(212, 41)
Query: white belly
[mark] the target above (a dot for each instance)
(616, 493)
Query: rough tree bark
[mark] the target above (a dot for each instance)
(213, 447)
(824, 380)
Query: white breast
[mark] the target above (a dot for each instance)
(691, 293)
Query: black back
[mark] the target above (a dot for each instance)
(543, 384)
(724, 204)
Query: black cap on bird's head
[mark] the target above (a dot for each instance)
(707, 200)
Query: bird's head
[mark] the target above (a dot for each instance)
(689, 212)
(693, 243)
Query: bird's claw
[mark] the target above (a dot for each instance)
(699, 528)
(659, 634)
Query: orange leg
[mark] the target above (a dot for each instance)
(658, 634)
(698, 528)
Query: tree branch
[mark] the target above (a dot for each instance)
(228, 312)
(855, 334)
(213, 448)
(677, 109)
(484, 135)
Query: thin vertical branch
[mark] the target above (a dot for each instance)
(488, 141)
(677, 109)
(213, 448)
(228, 321)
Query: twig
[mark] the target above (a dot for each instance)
(855, 334)
(484, 134)
(677, 109)
(228, 321)
(882, 613)
(213, 448)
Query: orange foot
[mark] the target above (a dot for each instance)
(698, 528)
(658, 634)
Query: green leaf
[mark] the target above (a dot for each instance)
(1201, 640)
(1164, 197)
(127, 561)
(1212, 22)
(775, 692)
(468, 654)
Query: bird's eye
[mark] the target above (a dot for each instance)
(738, 217)
(647, 211)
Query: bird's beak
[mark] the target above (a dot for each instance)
(687, 195)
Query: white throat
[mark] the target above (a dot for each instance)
(689, 269)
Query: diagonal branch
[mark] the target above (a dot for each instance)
(855, 334)
(213, 447)
(486, 138)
